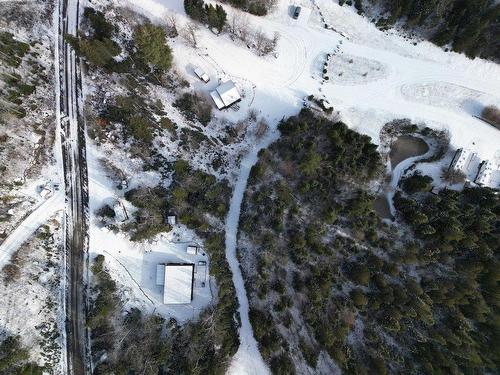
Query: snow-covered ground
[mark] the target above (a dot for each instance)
(375, 77)
(420, 82)
(32, 298)
(133, 265)
(29, 225)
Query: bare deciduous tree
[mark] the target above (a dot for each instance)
(261, 129)
(190, 34)
(171, 25)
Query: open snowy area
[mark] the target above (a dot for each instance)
(133, 265)
(378, 75)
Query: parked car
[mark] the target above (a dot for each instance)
(201, 74)
(296, 13)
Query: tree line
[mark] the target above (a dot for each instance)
(469, 26)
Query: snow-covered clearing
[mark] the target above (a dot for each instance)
(133, 265)
(420, 82)
(32, 297)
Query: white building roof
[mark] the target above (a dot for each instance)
(225, 95)
(467, 162)
(178, 287)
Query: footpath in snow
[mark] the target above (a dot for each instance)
(247, 359)
(29, 226)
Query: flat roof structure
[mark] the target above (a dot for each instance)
(462, 160)
(225, 95)
(178, 284)
(160, 274)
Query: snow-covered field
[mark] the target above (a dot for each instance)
(32, 298)
(420, 82)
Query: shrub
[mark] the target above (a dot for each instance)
(492, 115)
(141, 128)
(358, 298)
(106, 211)
(417, 183)
(360, 274)
(193, 106)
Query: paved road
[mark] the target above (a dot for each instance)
(75, 179)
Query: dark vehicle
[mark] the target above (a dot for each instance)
(296, 13)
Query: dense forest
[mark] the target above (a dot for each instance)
(468, 26)
(325, 275)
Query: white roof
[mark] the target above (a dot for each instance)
(462, 160)
(192, 250)
(218, 101)
(199, 72)
(178, 287)
(485, 172)
(225, 95)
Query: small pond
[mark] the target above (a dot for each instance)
(406, 146)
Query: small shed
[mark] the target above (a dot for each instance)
(225, 95)
(193, 250)
(172, 219)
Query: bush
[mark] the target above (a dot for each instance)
(106, 211)
(492, 115)
(101, 27)
(12, 50)
(360, 274)
(14, 358)
(417, 183)
(358, 298)
(141, 128)
(194, 107)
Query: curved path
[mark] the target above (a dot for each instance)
(248, 359)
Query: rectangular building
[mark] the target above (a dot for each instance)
(178, 285)
(462, 160)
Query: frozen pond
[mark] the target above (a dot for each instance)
(406, 146)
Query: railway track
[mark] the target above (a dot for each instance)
(72, 135)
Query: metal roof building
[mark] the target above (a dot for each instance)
(178, 279)
(225, 95)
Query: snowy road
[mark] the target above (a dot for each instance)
(29, 225)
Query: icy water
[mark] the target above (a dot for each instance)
(406, 146)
